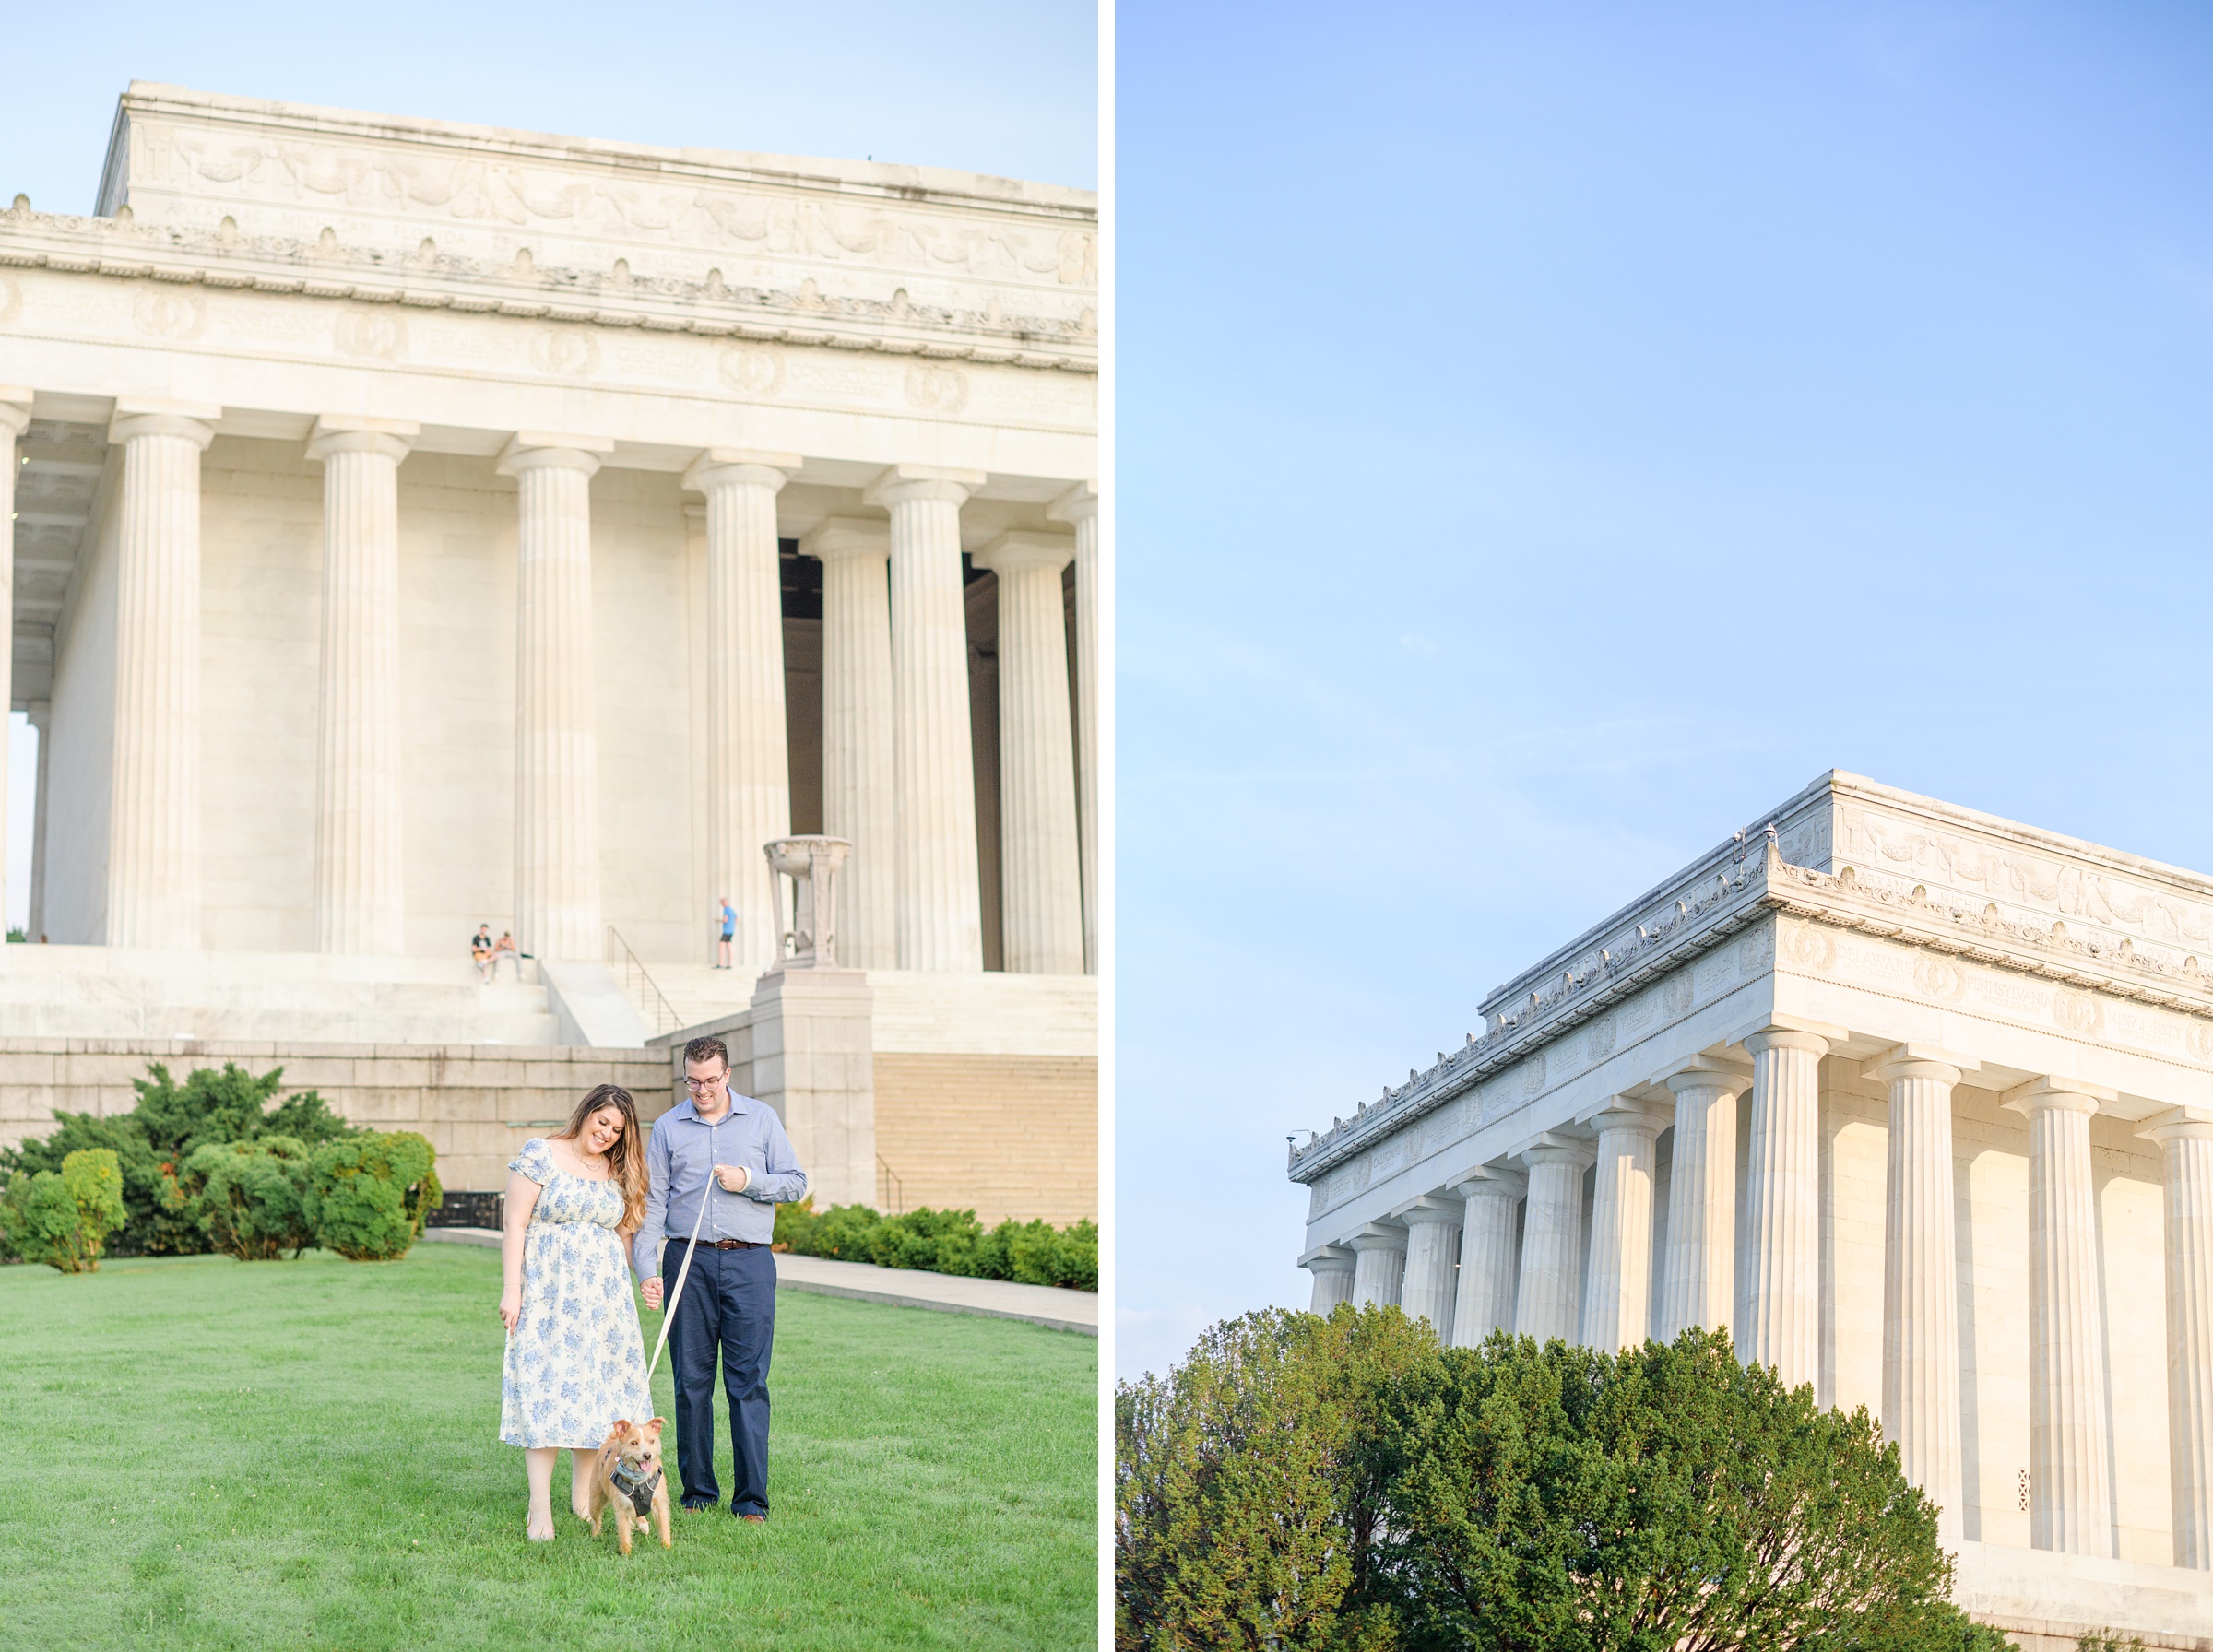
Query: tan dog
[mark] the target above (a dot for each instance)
(627, 1477)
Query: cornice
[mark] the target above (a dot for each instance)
(119, 248)
(1734, 900)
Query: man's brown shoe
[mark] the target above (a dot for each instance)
(754, 1519)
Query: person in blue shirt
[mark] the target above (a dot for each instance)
(730, 1151)
(728, 918)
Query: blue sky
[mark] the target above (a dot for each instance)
(1551, 436)
(1007, 86)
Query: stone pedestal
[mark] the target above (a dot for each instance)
(857, 729)
(813, 1062)
(1041, 876)
(1921, 1283)
(1432, 1250)
(1332, 1269)
(1080, 506)
(2186, 1138)
(556, 728)
(1617, 1298)
(2070, 1447)
(937, 899)
(1779, 1321)
(1552, 1241)
(1701, 1203)
(1380, 1267)
(153, 895)
(749, 774)
(1491, 1201)
(360, 892)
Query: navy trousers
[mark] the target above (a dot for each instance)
(728, 1308)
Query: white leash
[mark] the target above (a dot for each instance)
(669, 1308)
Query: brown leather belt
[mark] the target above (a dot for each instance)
(733, 1244)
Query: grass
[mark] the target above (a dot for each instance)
(210, 1454)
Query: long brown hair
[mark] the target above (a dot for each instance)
(625, 1159)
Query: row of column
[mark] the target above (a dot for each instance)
(1453, 1261)
(898, 777)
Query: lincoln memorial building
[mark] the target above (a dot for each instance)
(1918, 1103)
(420, 526)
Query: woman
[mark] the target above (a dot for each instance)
(575, 1361)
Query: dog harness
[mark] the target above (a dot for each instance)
(639, 1488)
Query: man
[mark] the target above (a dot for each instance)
(506, 947)
(728, 917)
(479, 952)
(730, 1151)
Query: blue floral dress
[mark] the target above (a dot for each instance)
(575, 1361)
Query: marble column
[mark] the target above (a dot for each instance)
(1432, 1260)
(749, 769)
(15, 418)
(1492, 1200)
(1332, 1269)
(1080, 506)
(1552, 1239)
(1618, 1296)
(1921, 1283)
(1380, 1267)
(153, 895)
(1700, 1267)
(1040, 872)
(2070, 1447)
(856, 731)
(361, 898)
(41, 719)
(2186, 1138)
(556, 710)
(937, 899)
(1779, 1321)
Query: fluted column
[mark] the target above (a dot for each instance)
(1921, 1283)
(1080, 506)
(857, 732)
(937, 899)
(1779, 1323)
(1552, 1239)
(556, 711)
(749, 768)
(1041, 880)
(1432, 1260)
(2070, 1447)
(154, 807)
(1701, 1203)
(15, 418)
(41, 719)
(1485, 1301)
(361, 897)
(1618, 1297)
(2186, 1138)
(1380, 1267)
(1332, 1269)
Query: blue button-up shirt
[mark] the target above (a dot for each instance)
(680, 1158)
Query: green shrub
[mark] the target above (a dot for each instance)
(944, 1242)
(154, 1141)
(369, 1196)
(250, 1197)
(63, 1218)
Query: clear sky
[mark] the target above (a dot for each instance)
(1006, 86)
(1549, 437)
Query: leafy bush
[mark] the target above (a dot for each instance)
(63, 1218)
(157, 1137)
(250, 1197)
(953, 1242)
(369, 1196)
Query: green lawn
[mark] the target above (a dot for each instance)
(210, 1454)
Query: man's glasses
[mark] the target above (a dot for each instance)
(701, 1086)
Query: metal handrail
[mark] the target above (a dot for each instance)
(653, 1002)
(895, 1193)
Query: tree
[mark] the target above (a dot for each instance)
(1243, 1517)
(250, 1197)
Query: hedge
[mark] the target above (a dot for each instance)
(1032, 1252)
(368, 1196)
(251, 1197)
(62, 1218)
